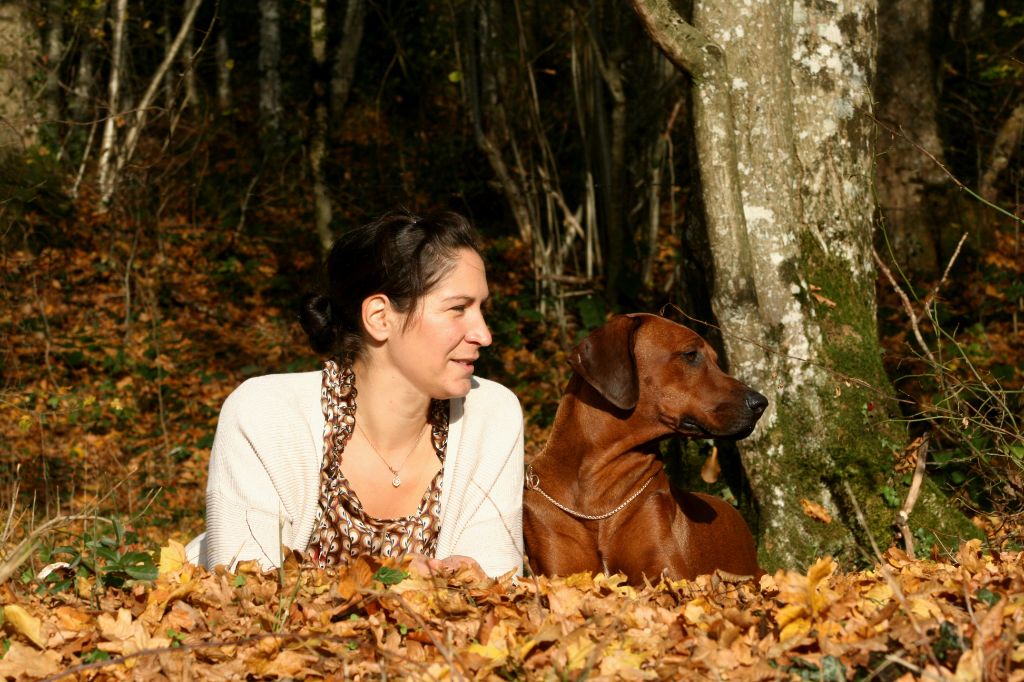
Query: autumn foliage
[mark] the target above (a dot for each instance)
(901, 619)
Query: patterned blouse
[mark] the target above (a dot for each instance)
(342, 528)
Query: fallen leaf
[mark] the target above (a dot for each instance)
(25, 623)
(821, 299)
(172, 558)
(288, 664)
(815, 511)
(968, 668)
(21, 662)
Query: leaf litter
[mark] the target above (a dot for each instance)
(902, 619)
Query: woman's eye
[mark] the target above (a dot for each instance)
(459, 308)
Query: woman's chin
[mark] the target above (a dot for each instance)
(458, 388)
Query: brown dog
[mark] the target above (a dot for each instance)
(597, 498)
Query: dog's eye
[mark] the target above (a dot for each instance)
(690, 356)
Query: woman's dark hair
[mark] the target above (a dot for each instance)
(399, 255)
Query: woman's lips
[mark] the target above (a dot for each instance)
(468, 364)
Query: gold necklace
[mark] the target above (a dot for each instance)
(397, 480)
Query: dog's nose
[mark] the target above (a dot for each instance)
(756, 402)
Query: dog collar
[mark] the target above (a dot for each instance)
(532, 482)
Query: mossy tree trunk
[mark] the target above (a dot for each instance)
(781, 90)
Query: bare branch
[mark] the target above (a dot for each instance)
(911, 315)
(685, 46)
(903, 515)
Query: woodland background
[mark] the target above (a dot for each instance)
(171, 172)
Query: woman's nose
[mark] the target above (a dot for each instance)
(479, 333)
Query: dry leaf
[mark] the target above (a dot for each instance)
(21, 662)
(815, 511)
(25, 623)
(288, 664)
(968, 668)
(821, 299)
(172, 557)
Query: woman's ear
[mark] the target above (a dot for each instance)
(377, 317)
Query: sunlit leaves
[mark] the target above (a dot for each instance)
(949, 620)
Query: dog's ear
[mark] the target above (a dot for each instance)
(605, 361)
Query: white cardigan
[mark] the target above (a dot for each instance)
(264, 483)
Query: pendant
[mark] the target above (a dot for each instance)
(396, 481)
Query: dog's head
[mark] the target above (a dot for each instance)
(646, 362)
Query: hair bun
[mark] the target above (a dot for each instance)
(317, 321)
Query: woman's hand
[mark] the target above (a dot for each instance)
(458, 568)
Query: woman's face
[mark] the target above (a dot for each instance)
(436, 351)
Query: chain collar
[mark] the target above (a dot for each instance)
(533, 483)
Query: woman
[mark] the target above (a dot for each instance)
(394, 448)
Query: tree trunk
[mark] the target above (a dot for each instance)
(54, 56)
(107, 147)
(224, 67)
(785, 165)
(1006, 144)
(168, 83)
(81, 104)
(188, 63)
(269, 66)
(19, 47)
(654, 160)
(318, 133)
(344, 65)
(610, 129)
(909, 183)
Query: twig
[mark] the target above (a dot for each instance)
(935, 289)
(154, 315)
(9, 523)
(245, 205)
(46, 330)
(911, 315)
(128, 286)
(915, 489)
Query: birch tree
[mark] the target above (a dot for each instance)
(781, 88)
(106, 170)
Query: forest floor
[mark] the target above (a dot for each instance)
(122, 344)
